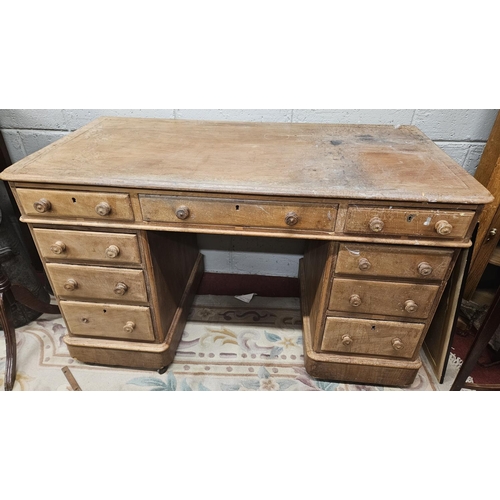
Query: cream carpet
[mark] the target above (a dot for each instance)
(227, 345)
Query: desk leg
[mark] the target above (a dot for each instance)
(6, 301)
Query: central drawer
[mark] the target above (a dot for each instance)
(236, 212)
(378, 338)
(382, 298)
(98, 283)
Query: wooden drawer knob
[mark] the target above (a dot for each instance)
(355, 300)
(120, 288)
(182, 212)
(42, 205)
(103, 208)
(71, 285)
(364, 264)
(291, 218)
(410, 306)
(397, 345)
(129, 327)
(376, 224)
(346, 339)
(58, 247)
(112, 251)
(443, 227)
(424, 268)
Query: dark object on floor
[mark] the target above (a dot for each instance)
(6, 303)
(484, 334)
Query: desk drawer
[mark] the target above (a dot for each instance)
(408, 222)
(50, 203)
(235, 212)
(378, 338)
(108, 320)
(383, 298)
(98, 283)
(88, 246)
(393, 261)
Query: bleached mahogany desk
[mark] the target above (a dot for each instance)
(114, 209)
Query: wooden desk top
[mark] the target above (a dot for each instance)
(376, 162)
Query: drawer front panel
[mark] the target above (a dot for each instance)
(98, 283)
(384, 298)
(108, 320)
(75, 204)
(89, 246)
(408, 222)
(243, 213)
(392, 261)
(378, 338)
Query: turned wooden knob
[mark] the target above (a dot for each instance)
(346, 339)
(410, 306)
(397, 345)
(182, 212)
(129, 327)
(120, 288)
(58, 247)
(103, 208)
(443, 227)
(42, 205)
(71, 285)
(364, 264)
(424, 268)
(376, 224)
(355, 300)
(291, 218)
(112, 251)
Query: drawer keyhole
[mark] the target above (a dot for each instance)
(73, 200)
(237, 207)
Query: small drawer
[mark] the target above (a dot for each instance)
(407, 222)
(57, 244)
(240, 213)
(392, 261)
(98, 283)
(75, 204)
(368, 337)
(383, 298)
(108, 320)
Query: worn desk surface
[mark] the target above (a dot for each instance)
(307, 160)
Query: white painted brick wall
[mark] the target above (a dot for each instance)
(461, 133)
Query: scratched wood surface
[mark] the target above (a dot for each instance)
(314, 160)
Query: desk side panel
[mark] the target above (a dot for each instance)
(171, 258)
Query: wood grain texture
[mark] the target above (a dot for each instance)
(439, 334)
(488, 233)
(148, 356)
(390, 261)
(382, 298)
(238, 212)
(314, 160)
(409, 222)
(98, 283)
(171, 259)
(104, 320)
(75, 204)
(318, 261)
(371, 337)
(347, 368)
(88, 246)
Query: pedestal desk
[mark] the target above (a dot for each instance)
(114, 209)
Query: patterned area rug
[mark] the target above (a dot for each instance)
(227, 345)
